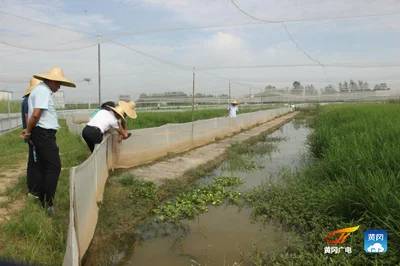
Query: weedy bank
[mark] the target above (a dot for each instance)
(30, 235)
(353, 180)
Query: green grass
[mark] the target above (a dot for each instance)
(15, 106)
(12, 150)
(31, 236)
(156, 119)
(354, 180)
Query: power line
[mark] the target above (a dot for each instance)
(333, 65)
(282, 23)
(47, 49)
(161, 30)
(296, 43)
(232, 80)
(313, 18)
(158, 59)
(251, 16)
(47, 24)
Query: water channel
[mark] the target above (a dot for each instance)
(226, 235)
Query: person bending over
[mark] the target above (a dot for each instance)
(110, 116)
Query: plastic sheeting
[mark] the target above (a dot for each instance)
(151, 143)
(87, 180)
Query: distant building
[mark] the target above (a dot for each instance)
(125, 97)
(177, 98)
(59, 99)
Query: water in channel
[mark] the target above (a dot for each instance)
(225, 235)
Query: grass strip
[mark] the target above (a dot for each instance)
(156, 119)
(30, 236)
(15, 106)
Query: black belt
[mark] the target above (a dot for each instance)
(48, 130)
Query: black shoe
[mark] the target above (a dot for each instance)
(51, 211)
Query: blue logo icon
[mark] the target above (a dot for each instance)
(375, 241)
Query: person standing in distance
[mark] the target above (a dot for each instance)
(41, 130)
(32, 184)
(233, 108)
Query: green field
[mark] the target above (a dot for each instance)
(352, 180)
(15, 106)
(156, 119)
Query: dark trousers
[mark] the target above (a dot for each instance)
(92, 136)
(32, 173)
(48, 166)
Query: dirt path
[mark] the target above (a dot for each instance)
(176, 167)
(8, 179)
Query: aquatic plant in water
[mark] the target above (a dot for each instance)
(196, 201)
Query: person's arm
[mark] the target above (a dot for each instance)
(32, 121)
(122, 130)
(123, 124)
(26, 119)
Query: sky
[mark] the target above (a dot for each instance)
(152, 46)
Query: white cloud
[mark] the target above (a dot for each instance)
(124, 71)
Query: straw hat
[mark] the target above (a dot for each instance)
(125, 108)
(55, 74)
(235, 102)
(32, 84)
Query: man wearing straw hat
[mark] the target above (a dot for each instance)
(41, 130)
(31, 183)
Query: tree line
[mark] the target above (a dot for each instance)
(342, 87)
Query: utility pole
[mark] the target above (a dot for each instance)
(9, 96)
(88, 81)
(98, 65)
(229, 92)
(250, 95)
(194, 76)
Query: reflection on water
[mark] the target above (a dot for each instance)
(224, 235)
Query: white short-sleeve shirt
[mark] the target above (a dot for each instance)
(42, 98)
(104, 120)
(232, 110)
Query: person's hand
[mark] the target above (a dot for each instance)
(25, 135)
(22, 134)
(127, 135)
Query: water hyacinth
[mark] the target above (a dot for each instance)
(196, 201)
